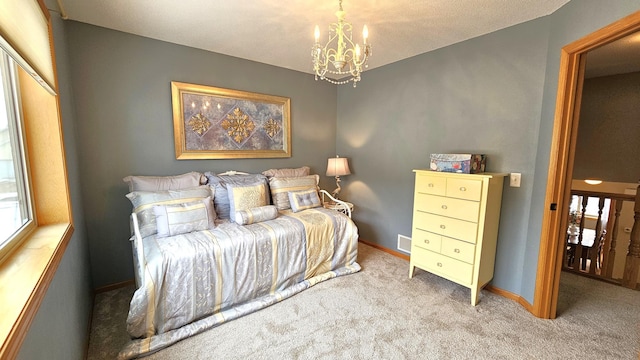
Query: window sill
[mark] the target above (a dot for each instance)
(24, 279)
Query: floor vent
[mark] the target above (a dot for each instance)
(404, 244)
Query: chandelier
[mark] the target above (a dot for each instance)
(341, 53)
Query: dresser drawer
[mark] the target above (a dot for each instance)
(426, 240)
(455, 208)
(457, 249)
(454, 228)
(435, 185)
(441, 265)
(467, 189)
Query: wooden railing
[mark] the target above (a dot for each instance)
(597, 258)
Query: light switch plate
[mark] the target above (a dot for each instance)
(514, 179)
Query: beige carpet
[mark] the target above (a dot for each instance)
(379, 313)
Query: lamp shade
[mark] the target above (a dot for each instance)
(337, 167)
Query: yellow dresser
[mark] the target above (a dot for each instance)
(455, 226)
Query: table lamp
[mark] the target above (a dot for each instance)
(337, 167)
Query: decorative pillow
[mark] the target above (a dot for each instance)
(302, 200)
(280, 187)
(184, 218)
(143, 202)
(255, 215)
(243, 197)
(159, 183)
(219, 188)
(301, 171)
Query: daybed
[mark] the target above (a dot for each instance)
(195, 271)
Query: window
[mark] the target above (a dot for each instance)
(16, 214)
(34, 137)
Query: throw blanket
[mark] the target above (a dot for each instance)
(196, 281)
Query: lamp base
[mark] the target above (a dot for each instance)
(335, 192)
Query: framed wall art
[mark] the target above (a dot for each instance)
(217, 123)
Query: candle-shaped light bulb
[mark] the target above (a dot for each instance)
(357, 52)
(316, 32)
(365, 33)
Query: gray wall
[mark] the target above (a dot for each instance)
(609, 129)
(572, 22)
(494, 94)
(60, 329)
(480, 96)
(121, 84)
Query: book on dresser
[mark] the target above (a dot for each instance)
(455, 226)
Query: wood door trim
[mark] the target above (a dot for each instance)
(561, 159)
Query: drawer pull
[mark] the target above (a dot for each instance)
(442, 227)
(444, 207)
(462, 188)
(426, 241)
(457, 251)
(439, 264)
(430, 185)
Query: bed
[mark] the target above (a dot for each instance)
(192, 281)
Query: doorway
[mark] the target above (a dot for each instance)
(554, 224)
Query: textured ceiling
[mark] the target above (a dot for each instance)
(280, 32)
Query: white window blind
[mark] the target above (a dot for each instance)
(24, 35)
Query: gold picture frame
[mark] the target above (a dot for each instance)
(217, 123)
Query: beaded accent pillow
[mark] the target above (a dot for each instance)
(243, 197)
(302, 200)
(219, 184)
(281, 186)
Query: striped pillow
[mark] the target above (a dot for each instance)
(184, 218)
(281, 186)
(303, 200)
(143, 202)
(254, 215)
(297, 172)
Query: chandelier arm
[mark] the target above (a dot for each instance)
(346, 57)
